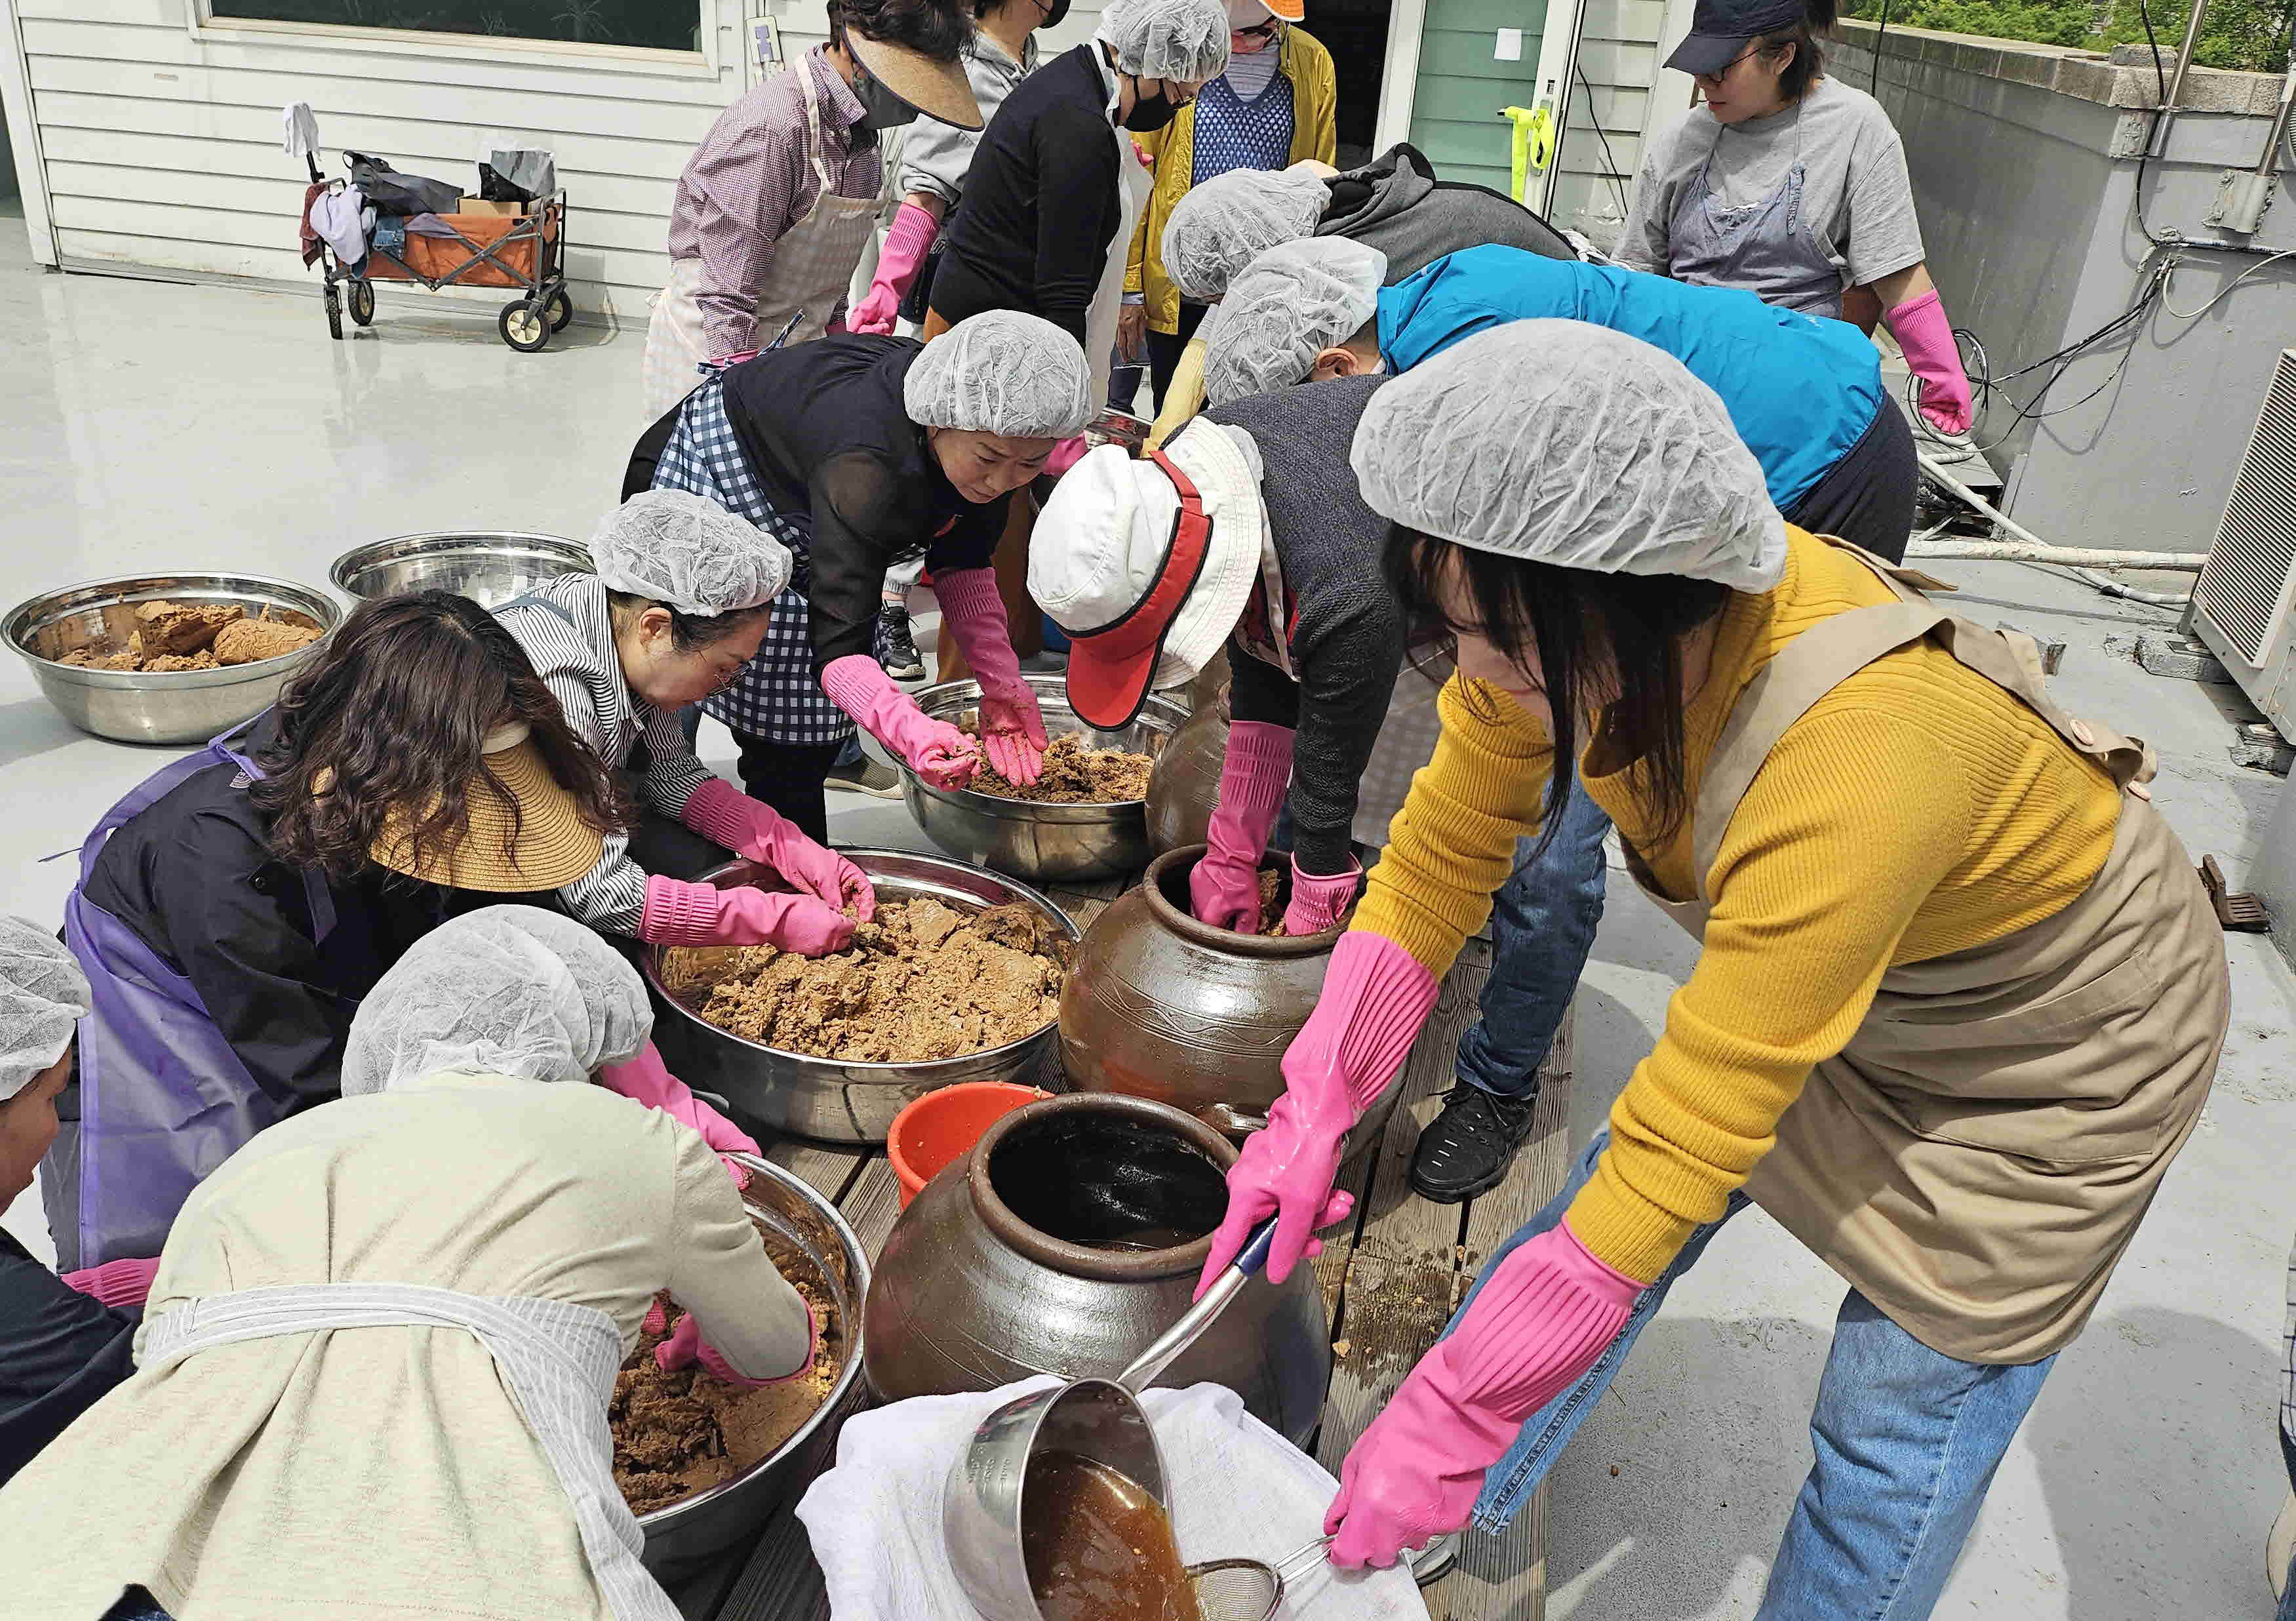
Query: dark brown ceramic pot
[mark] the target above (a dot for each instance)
(1158, 1005)
(1184, 786)
(1064, 1243)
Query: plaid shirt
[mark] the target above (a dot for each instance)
(751, 180)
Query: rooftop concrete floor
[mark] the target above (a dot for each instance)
(154, 427)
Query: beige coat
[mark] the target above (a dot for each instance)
(387, 1471)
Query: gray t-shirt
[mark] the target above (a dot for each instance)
(934, 157)
(1857, 200)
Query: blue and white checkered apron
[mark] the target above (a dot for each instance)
(777, 696)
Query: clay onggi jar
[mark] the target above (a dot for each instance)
(1184, 786)
(1158, 1005)
(1070, 1237)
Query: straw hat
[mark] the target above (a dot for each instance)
(555, 846)
(937, 89)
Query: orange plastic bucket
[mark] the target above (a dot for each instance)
(941, 1127)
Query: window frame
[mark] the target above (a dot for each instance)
(705, 63)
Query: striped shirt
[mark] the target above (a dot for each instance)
(572, 650)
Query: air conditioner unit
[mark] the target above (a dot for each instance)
(2244, 602)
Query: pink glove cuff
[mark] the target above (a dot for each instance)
(678, 913)
(1318, 903)
(1066, 455)
(1255, 773)
(722, 814)
(973, 611)
(121, 1285)
(1543, 1315)
(907, 240)
(1379, 996)
(858, 685)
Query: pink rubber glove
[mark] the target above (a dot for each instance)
(907, 240)
(725, 362)
(121, 1285)
(1926, 338)
(1376, 995)
(685, 1346)
(1540, 1321)
(698, 914)
(935, 750)
(646, 1078)
(1224, 888)
(1011, 724)
(1066, 455)
(722, 813)
(1319, 903)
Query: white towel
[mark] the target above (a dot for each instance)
(1237, 1490)
(301, 130)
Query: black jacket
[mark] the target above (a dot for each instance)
(825, 431)
(60, 1352)
(1041, 202)
(192, 877)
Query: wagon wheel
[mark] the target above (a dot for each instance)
(523, 324)
(363, 303)
(334, 313)
(562, 309)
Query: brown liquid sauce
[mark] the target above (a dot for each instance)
(1098, 1547)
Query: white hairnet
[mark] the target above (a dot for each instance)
(1184, 39)
(43, 994)
(1568, 443)
(1001, 372)
(504, 990)
(1222, 226)
(672, 547)
(1285, 307)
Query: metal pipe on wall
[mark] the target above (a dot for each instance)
(2026, 546)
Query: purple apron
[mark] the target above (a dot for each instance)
(163, 1098)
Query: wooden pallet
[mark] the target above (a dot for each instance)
(1390, 1281)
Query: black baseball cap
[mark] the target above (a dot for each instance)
(1721, 30)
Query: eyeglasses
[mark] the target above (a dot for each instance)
(1723, 72)
(1260, 30)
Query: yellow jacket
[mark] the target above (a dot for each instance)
(1916, 809)
(1315, 134)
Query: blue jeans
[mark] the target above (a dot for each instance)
(1907, 1440)
(1543, 922)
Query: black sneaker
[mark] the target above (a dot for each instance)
(1466, 1149)
(897, 649)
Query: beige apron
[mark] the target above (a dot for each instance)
(812, 271)
(1978, 1158)
(1134, 182)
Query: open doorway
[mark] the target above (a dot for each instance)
(1354, 32)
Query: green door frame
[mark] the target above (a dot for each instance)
(1557, 62)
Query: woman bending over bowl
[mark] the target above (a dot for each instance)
(373, 1373)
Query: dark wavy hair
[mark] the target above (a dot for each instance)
(393, 715)
(1612, 641)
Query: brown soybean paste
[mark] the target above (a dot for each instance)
(1098, 1547)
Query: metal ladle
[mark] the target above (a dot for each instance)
(1098, 1419)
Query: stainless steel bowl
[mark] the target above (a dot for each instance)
(490, 567)
(689, 1533)
(828, 1098)
(1041, 843)
(163, 706)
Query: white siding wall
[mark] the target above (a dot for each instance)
(162, 147)
(1619, 53)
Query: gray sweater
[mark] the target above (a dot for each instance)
(1346, 629)
(1396, 204)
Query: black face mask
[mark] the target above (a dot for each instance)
(1150, 112)
(886, 110)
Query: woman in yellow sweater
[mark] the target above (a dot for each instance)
(1959, 1000)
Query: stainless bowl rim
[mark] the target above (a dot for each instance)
(1171, 715)
(36, 611)
(857, 1263)
(650, 960)
(505, 543)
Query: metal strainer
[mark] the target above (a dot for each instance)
(1249, 1589)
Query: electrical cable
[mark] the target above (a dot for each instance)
(2168, 275)
(1610, 161)
(1880, 33)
